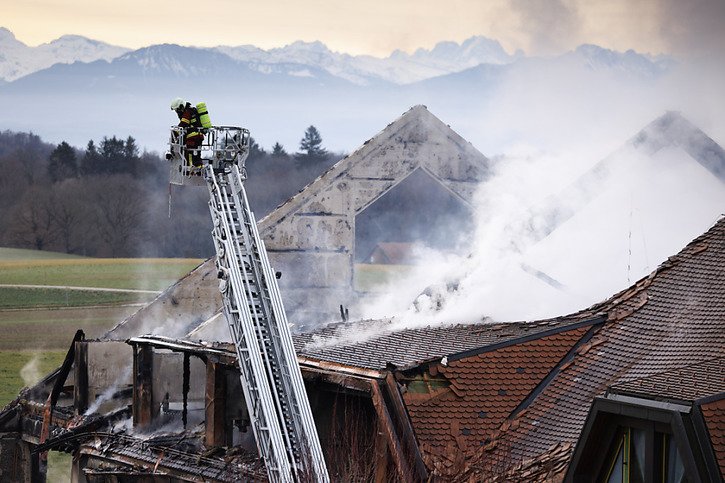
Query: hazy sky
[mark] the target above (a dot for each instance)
(378, 27)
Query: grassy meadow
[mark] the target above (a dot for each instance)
(122, 273)
(38, 324)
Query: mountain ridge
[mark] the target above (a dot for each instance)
(446, 57)
(18, 59)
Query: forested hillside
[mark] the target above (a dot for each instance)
(110, 200)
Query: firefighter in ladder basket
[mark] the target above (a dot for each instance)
(193, 121)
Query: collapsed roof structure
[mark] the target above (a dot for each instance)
(159, 398)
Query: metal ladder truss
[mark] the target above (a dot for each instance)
(271, 379)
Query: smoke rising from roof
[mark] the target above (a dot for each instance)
(556, 233)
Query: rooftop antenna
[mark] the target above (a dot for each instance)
(629, 249)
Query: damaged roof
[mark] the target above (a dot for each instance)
(669, 323)
(515, 397)
(376, 344)
(482, 390)
(174, 457)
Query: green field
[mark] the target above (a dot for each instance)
(53, 329)
(11, 298)
(125, 273)
(23, 368)
(38, 324)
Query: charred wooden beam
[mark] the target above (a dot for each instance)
(215, 404)
(385, 423)
(64, 370)
(80, 388)
(408, 438)
(143, 404)
(354, 383)
(382, 457)
(307, 362)
(185, 389)
(53, 397)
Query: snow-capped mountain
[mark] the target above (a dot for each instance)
(453, 57)
(18, 59)
(305, 83)
(630, 62)
(306, 59)
(312, 55)
(398, 68)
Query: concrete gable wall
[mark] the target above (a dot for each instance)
(311, 238)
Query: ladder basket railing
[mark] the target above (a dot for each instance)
(221, 144)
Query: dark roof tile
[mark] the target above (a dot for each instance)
(373, 344)
(686, 383)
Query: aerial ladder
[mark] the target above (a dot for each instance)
(274, 391)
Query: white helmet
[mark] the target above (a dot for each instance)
(177, 103)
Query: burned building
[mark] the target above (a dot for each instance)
(634, 383)
(528, 401)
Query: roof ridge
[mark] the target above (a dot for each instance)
(526, 338)
(394, 127)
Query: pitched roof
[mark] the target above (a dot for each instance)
(669, 130)
(376, 344)
(484, 389)
(417, 139)
(673, 319)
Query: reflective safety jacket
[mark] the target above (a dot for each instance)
(189, 118)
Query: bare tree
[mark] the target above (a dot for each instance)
(70, 215)
(33, 224)
(119, 213)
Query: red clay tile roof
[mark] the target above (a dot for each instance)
(672, 319)
(484, 389)
(714, 414)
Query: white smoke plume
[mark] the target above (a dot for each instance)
(30, 372)
(644, 208)
(111, 391)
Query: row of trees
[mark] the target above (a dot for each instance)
(92, 203)
(311, 150)
(118, 156)
(112, 200)
(110, 156)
